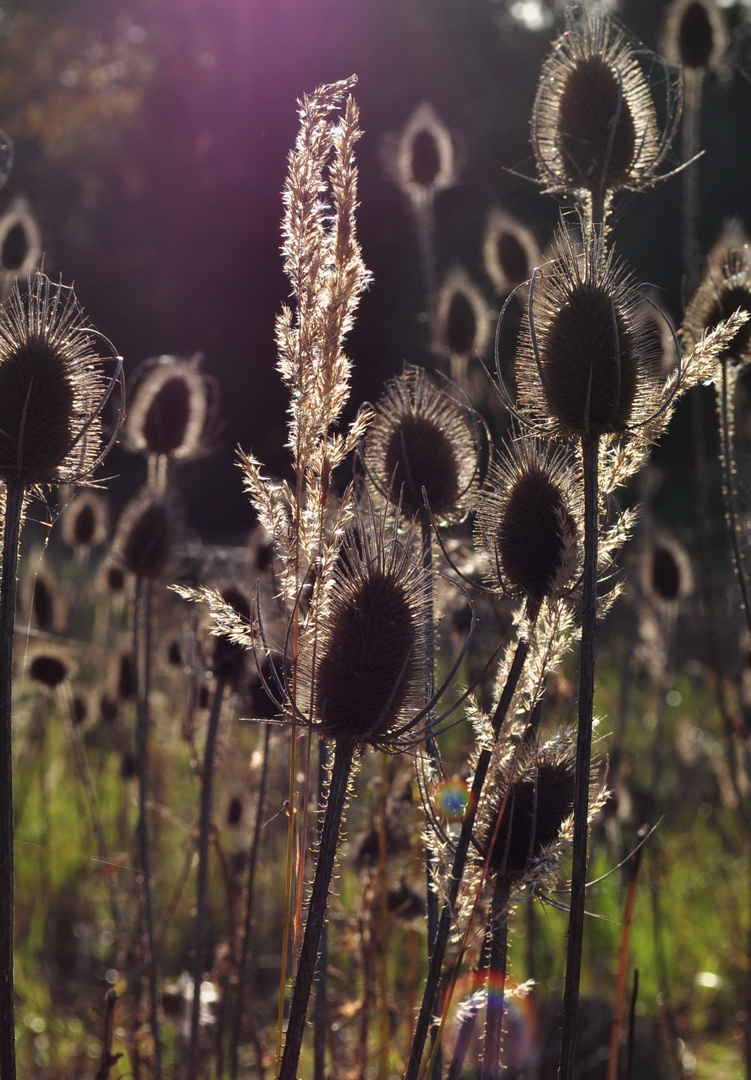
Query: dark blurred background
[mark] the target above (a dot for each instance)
(151, 138)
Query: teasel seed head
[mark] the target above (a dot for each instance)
(145, 536)
(696, 36)
(85, 521)
(510, 251)
(364, 658)
(585, 363)
(425, 161)
(726, 288)
(127, 678)
(462, 318)
(422, 438)
(48, 669)
(666, 576)
(52, 387)
(41, 593)
(20, 245)
(527, 527)
(594, 123)
(169, 411)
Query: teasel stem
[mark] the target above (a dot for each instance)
(142, 653)
(341, 769)
(432, 983)
(467, 1026)
(14, 493)
(498, 931)
(320, 1027)
(693, 80)
(425, 222)
(249, 897)
(634, 865)
(590, 453)
(384, 1036)
(202, 884)
(728, 381)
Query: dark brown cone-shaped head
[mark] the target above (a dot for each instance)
(586, 364)
(532, 807)
(526, 526)
(725, 288)
(695, 34)
(48, 669)
(666, 572)
(42, 599)
(594, 125)
(424, 160)
(230, 657)
(421, 438)
(169, 410)
(51, 387)
(366, 664)
(145, 537)
(20, 243)
(510, 251)
(84, 521)
(462, 318)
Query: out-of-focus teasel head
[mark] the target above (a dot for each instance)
(510, 251)
(528, 524)
(53, 387)
(85, 521)
(665, 573)
(726, 288)
(145, 536)
(696, 35)
(586, 365)
(595, 129)
(20, 245)
(424, 160)
(230, 660)
(423, 447)
(48, 668)
(462, 324)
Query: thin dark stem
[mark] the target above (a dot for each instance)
(142, 653)
(8, 590)
(320, 1026)
(590, 451)
(432, 983)
(496, 981)
(728, 378)
(340, 773)
(202, 884)
(249, 890)
(693, 83)
(467, 1026)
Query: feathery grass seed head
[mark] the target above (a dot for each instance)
(725, 289)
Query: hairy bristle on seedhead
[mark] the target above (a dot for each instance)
(424, 160)
(725, 289)
(169, 410)
(585, 364)
(696, 36)
(230, 657)
(51, 387)
(510, 251)
(594, 124)
(422, 439)
(145, 537)
(526, 525)
(49, 670)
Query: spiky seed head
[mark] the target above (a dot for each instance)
(424, 159)
(594, 124)
(85, 521)
(696, 35)
(145, 536)
(52, 387)
(585, 363)
(230, 657)
(462, 317)
(725, 289)
(510, 251)
(168, 414)
(422, 438)
(666, 572)
(48, 669)
(533, 801)
(20, 244)
(526, 528)
(365, 659)
(41, 590)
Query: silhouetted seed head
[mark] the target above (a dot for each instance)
(79, 710)
(175, 654)
(594, 124)
(204, 698)
(424, 159)
(538, 801)
(421, 438)
(115, 579)
(51, 387)
(725, 288)
(108, 709)
(128, 765)
(127, 682)
(234, 811)
(462, 318)
(264, 692)
(84, 521)
(168, 413)
(666, 572)
(43, 601)
(145, 536)
(658, 335)
(366, 662)
(526, 524)
(20, 244)
(405, 904)
(47, 669)
(510, 251)
(695, 34)
(230, 657)
(586, 365)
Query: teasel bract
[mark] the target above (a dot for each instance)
(595, 130)
(53, 391)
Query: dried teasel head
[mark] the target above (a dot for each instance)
(52, 387)
(49, 669)
(20, 245)
(145, 536)
(462, 318)
(585, 363)
(85, 521)
(665, 573)
(594, 124)
(423, 445)
(169, 411)
(510, 251)
(726, 288)
(696, 35)
(363, 656)
(527, 527)
(424, 158)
